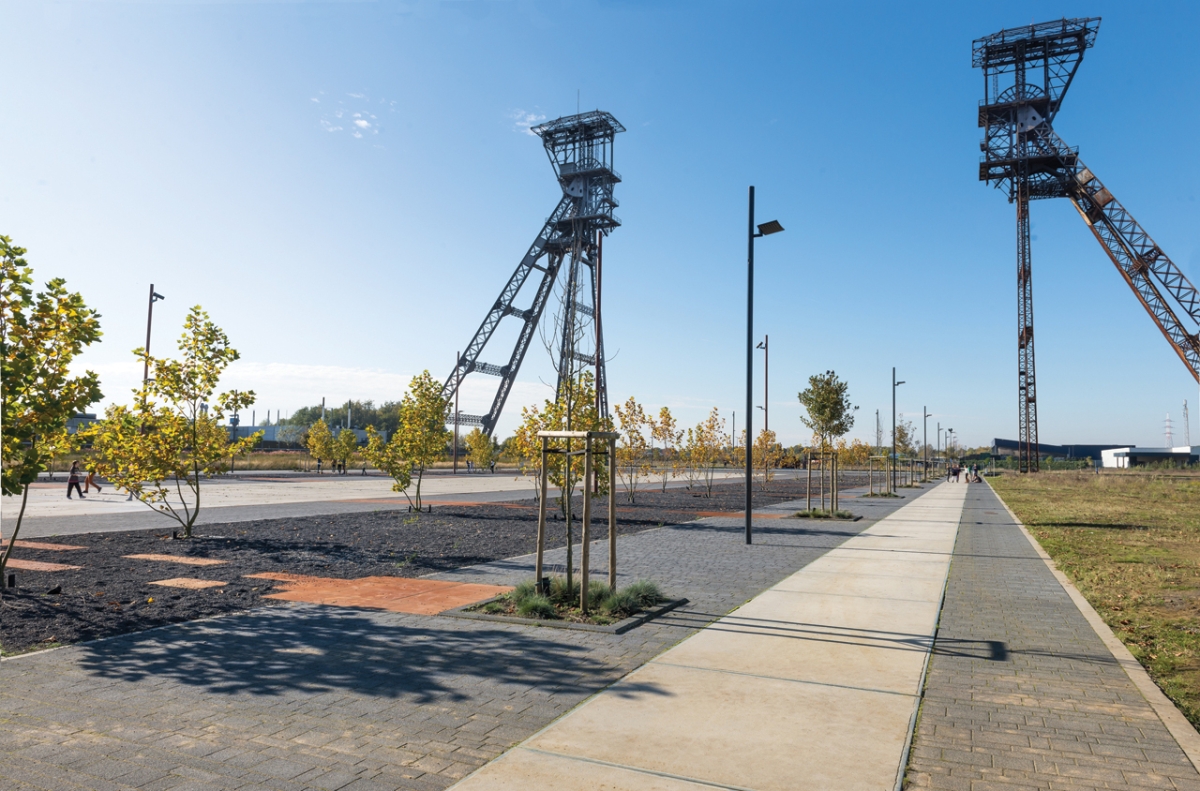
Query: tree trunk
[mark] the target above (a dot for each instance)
(12, 541)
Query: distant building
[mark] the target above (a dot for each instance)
(80, 420)
(1010, 447)
(1133, 456)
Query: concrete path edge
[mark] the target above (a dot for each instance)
(1177, 725)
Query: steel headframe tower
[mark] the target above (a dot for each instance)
(1027, 71)
(580, 148)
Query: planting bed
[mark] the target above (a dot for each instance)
(103, 591)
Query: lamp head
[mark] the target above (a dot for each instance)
(770, 227)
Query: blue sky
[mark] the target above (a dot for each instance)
(215, 149)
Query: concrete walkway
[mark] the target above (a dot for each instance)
(812, 684)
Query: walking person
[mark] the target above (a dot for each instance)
(90, 481)
(73, 481)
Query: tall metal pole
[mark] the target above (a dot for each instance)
(149, 321)
(749, 361)
(894, 428)
(925, 439)
(457, 362)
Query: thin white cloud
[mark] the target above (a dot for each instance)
(354, 109)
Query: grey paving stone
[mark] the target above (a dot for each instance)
(1021, 693)
(377, 700)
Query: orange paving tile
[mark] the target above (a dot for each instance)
(396, 594)
(191, 583)
(37, 565)
(281, 577)
(42, 545)
(179, 559)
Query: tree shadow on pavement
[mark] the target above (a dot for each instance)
(312, 650)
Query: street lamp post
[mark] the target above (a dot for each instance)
(154, 297)
(939, 438)
(925, 439)
(895, 458)
(765, 229)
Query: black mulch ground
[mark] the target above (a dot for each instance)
(111, 594)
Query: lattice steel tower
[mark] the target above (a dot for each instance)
(580, 148)
(1027, 71)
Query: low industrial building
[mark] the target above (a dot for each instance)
(1121, 458)
(1010, 447)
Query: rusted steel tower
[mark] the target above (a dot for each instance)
(580, 148)
(1027, 71)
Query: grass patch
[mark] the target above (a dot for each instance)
(606, 606)
(819, 513)
(1131, 545)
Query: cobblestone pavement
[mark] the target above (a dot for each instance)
(308, 697)
(1021, 693)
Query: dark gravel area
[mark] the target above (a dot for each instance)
(110, 594)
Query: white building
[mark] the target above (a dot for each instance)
(1121, 458)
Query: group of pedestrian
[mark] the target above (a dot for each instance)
(339, 467)
(75, 476)
(953, 473)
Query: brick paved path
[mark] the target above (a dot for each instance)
(1021, 693)
(308, 697)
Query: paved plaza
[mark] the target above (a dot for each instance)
(805, 661)
(245, 497)
(303, 696)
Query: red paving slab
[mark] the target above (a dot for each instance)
(37, 565)
(178, 559)
(396, 594)
(191, 583)
(42, 545)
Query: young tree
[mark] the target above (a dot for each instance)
(664, 430)
(422, 425)
(766, 453)
(553, 416)
(345, 445)
(40, 335)
(905, 436)
(481, 448)
(830, 413)
(857, 452)
(291, 435)
(631, 449)
(705, 443)
(389, 458)
(320, 441)
(160, 449)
